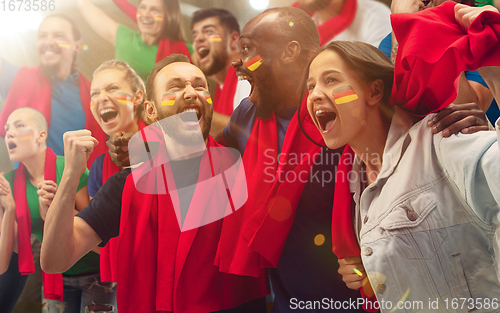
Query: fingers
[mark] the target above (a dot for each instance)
(467, 118)
(353, 272)
(47, 186)
(118, 148)
(465, 15)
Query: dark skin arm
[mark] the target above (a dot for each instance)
(466, 118)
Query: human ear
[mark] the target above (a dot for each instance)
(41, 137)
(138, 98)
(234, 38)
(150, 110)
(375, 92)
(291, 52)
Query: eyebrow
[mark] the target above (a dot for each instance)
(204, 28)
(330, 72)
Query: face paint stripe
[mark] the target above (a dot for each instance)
(92, 104)
(346, 99)
(344, 93)
(214, 38)
(253, 63)
(26, 134)
(124, 98)
(168, 99)
(64, 44)
(158, 17)
(207, 96)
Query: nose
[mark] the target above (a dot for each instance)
(190, 93)
(9, 133)
(102, 97)
(199, 38)
(316, 95)
(237, 62)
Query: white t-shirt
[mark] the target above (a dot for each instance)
(243, 89)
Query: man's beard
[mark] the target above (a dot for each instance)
(218, 63)
(173, 129)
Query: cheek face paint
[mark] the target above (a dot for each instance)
(253, 63)
(138, 14)
(168, 99)
(158, 17)
(124, 98)
(215, 38)
(208, 97)
(344, 94)
(25, 134)
(63, 44)
(92, 104)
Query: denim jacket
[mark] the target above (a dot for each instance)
(427, 225)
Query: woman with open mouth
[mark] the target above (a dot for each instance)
(117, 103)
(422, 225)
(160, 32)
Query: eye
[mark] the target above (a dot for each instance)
(200, 87)
(331, 80)
(245, 49)
(20, 125)
(310, 87)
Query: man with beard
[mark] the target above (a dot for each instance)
(54, 88)
(353, 20)
(215, 42)
(287, 218)
(164, 265)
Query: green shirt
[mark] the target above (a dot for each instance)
(130, 48)
(90, 262)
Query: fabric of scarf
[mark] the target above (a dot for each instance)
(269, 212)
(109, 253)
(433, 50)
(52, 283)
(31, 88)
(164, 269)
(166, 46)
(334, 26)
(224, 97)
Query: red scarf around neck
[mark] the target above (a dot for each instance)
(334, 26)
(434, 50)
(166, 46)
(162, 269)
(108, 254)
(224, 97)
(253, 237)
(52, 283)
(31, 88)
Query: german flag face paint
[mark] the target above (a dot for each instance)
(124, 98)
(344, 94)
(92, 104)
(253, 63)
(215, 38)
(158, 17)
(207, 97)
(25, 134)
(168, 99)
(138, 14)
(63, 44)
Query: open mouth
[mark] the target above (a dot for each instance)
(12, 146)
(242, 76)
(147, 21)
(187, 115)
(108, 115)
(326, 119)
(203, 52)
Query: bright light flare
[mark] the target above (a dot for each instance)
(14, 22)
(259, 4)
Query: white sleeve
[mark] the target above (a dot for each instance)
(473, 163)
(243, 89)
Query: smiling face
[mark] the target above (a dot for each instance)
(151, 15)
(113, 102)
(56, 45)
(211, 45)
(23, 135)
(181, 87)
(336, 100)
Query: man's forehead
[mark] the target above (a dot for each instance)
(260, 24)
(209, 21)
(180, 70)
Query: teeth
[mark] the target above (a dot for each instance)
(319, 112)
(243, 77)
(189, 110)
(49, 53)
(103, 111)
(146, 22)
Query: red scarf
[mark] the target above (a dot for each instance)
(165, 47)
(334, 26)
(108, 255)
(434, 50)
(224, 97)
(164, 269)
(52, 283)
(31, 88)
(269, 212)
